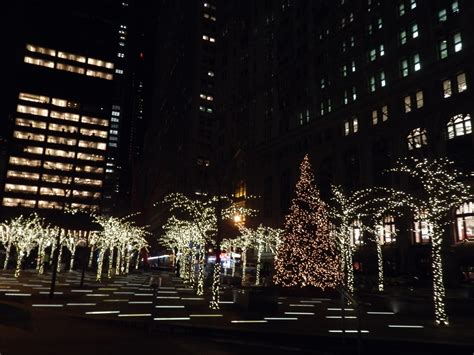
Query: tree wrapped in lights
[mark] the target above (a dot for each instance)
(261, 238)
(441, 191)
(208, 216)
(115, 234)
(23, 233)
(307, 255)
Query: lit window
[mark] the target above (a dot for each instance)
(58, 179)
(459, 125)
(115, 113)
(421, 229)
(90, 169)
(54, 191)
(30, 123)
(344, 70)
(416, 62)
(384, 113)
(94, 120)
(65, 116)
(462, 83)
(210, 73)
(93, 132)
(375, 117)
(465, 222)
(407, 103)
(356, 233)
(83, 181)
(354, 93)
(347, 129)
(50, 205)
(18, 202)
(443, 49)
(40, 62)
(353, 66)
(351, 126)
(419, 99)
(352, 40)
(381, 50)
(22, 175)
(414, 31)
(447, 91)
(442, 15)
(118, 71)
(70, 68)
(102, 63)
(417, 139)
(372, 84)
(33, 150)
(412, 4)
(383, 82)
(240, 190)
(403, 37)
(99, 74)
(455, 7)
(34, 98)
(60, 153)
(51, 165)
(386, 230)
(346, 99)
(92, 157)
(372, 55)
(401, 9)
(457, 42)
(29, 136)
(27, 189)
(24, 161)
(62, 128)
(69, 56)
(404, 67)
(379, 23)
(61, 140)
(32, 110)
(42, 50)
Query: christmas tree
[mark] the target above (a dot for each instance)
(307, 254)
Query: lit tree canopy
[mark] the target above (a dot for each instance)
(441, 190)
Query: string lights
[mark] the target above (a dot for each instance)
(307, 254)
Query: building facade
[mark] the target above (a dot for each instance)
(69, 106)
(356, 84)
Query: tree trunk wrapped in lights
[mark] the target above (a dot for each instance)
(100, 264)
(441, 191)
(204, 220)
(307, 254)
(7, 255)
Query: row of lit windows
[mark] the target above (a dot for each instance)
(206, 97)
(46, 100)
(458, 125)
(421, 229)
(55, 114)
(14, 174)
(69, 56)
(55, 191)
(69, 68)
(20, 202)
(208, 38)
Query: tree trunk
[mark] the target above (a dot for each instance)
(259, 262)
(73, 254)
(439, 293)
(244, 264)
(100, 264)
(200, 285)
(111, 262)
(7, 255)
(91, 256)
(380, 265)
(19, 259)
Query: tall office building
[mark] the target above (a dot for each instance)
(68, 105)
(178, 141)
(356, 84)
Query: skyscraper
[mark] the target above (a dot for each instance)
(67, 106)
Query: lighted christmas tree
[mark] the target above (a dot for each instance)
(307, 254)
